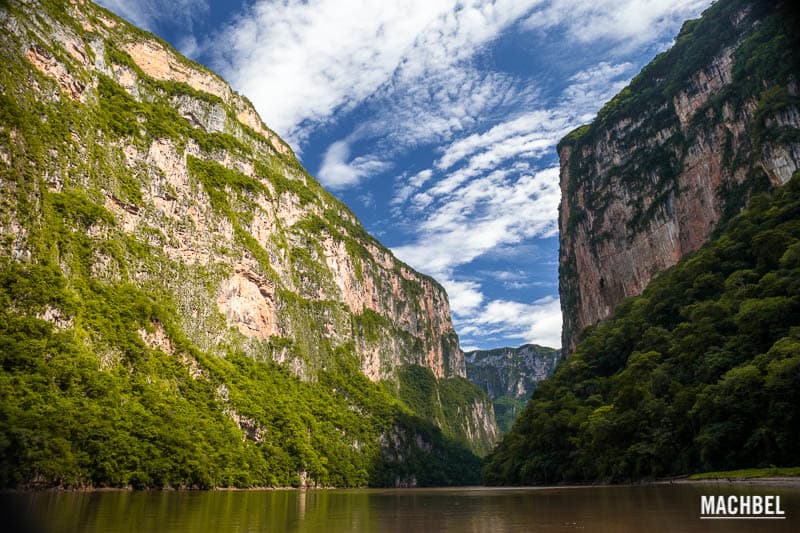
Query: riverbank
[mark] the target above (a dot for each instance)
(171, 489)
(769, 480)
(749, 473)
(789, 476)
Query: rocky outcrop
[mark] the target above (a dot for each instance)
(314, 248)
(479, 423)
(704, 126)
(50, 67)
(509, 376)
(158, 62)
(187, 195)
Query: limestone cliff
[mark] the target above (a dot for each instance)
(270, 232)
(509, 376)
(126, 165)
(707, 123)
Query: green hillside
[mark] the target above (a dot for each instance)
(181, 304)
(700, 373)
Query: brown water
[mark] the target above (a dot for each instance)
(650, 509)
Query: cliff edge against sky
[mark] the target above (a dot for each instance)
(681, 310)
(182, 303)
(705, 125)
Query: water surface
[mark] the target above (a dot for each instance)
(649, 508)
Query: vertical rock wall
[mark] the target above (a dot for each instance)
(698, 131)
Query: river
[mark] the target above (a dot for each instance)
(648, 508)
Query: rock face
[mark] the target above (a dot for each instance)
(184, 193)
(703, 126)
(314, 247)
(509, 376)
(512, 372)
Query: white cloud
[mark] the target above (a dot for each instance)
(528, 136)
(538, 322)
(539, 130)
(539, 120)
(631, 22)
(506, 275)
(367, 199)
(465, 296)
(487, 192)
(591, 88)
(338, 171)
(528, 284)
(482, 214)
(470, 348)
(404, 191)
(445, 101)
(301, 61)
(490, 196)
(188, 46)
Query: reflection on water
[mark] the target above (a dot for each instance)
(612, 509)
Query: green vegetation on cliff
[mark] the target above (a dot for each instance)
(89, 404)
(765, 58)
(723, 99)
(130, 208)
(701, 372)
(443, 400)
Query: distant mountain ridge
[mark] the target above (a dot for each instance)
(510, 375)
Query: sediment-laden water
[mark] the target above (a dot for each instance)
(648, 508)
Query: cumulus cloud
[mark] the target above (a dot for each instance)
(516, 279)
(542, 121)
(465, 296)
(446, 101)
(510, 145)
(367, 199)
(408, 186)
(490, 191)
(301, 61)
(486, 212)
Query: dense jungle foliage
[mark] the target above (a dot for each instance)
(701, 372)
(101, 382)
(138, 416)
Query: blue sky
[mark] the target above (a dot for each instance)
(436, 121)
